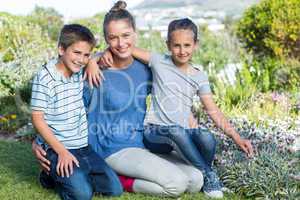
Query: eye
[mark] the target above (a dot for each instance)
(126, 35)
(111, 38)
(77, 52)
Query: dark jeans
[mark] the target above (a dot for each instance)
(92, 175)
(197, 146)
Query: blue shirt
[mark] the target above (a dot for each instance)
(60, 99)
(116, 110)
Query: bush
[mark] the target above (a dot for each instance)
(18, 35)
(271, 31)
(268, 175)
(95, 25)
(274, 74)
(272, 28)
(48, 19)
(216, 50)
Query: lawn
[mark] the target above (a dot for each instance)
(19, 171)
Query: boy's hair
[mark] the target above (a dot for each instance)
(182, 24)
(72, 33)
(118, 12)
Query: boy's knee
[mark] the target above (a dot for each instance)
(84, 192)
(76, 186)
(116, 190)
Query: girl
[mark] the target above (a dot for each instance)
(170, 124)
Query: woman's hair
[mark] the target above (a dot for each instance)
(182, 24)
(118, 12)
(72, 33)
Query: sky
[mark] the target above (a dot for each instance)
(68, 8)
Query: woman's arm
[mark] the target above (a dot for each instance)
(221, 122)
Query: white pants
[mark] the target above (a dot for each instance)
(166, 175)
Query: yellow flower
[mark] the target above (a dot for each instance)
(3, 119)
(13, 116)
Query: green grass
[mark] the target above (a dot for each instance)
(19, 171)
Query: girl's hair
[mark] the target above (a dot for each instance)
(72, 33)
(182, 24)
(118, 12)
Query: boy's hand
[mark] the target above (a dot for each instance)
(40, 155)
(65, 163)
(246, 146)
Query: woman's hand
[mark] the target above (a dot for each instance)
(93, 73)
(106, 59)
(40, 155)
(65, 162)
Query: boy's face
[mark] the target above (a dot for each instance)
(182, 46)
(120, 38)
(74, 57)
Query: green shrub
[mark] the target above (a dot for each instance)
(18, 35)
(48, 19)
(274, 73)
(272, 28)
(95, 25)
(216, 50)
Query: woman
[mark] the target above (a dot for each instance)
(116, 112)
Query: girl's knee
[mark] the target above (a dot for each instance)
(206, 137)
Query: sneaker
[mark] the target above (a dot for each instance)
(212, 185)
(46, 181)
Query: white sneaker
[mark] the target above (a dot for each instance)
(217, 194)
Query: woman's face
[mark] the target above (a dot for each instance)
(120, 37)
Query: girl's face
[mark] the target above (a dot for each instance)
(182, 46)
(121, 38)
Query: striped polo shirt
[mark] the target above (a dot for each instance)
(60, 99)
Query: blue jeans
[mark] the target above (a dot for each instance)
(197, 146)
(93, 175)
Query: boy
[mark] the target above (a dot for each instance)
(58, 114)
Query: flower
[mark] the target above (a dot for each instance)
(13, 116)
(3, 119)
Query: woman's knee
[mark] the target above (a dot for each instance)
(177, 185)
(195, 181)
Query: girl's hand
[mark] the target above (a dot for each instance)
(65, 162)
(246, 146)
(93, 73)
(40, 155)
